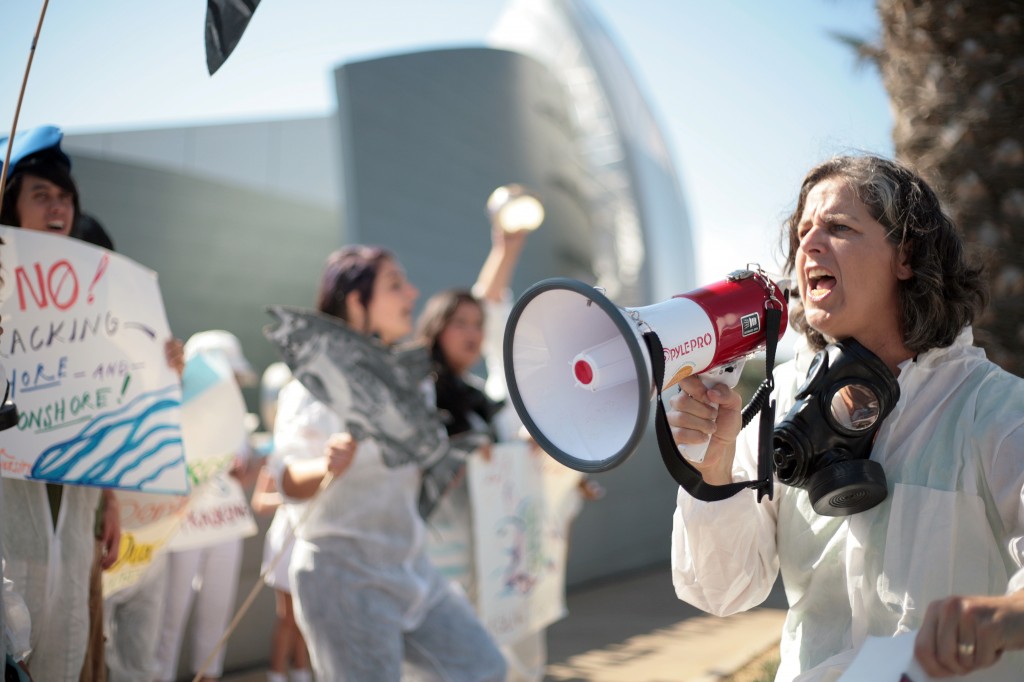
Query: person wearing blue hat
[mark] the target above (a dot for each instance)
(40, 193)
(52, 632)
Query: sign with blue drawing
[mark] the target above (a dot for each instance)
(212, 417)
(523, 503)
(83, 351)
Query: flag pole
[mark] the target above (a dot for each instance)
(21, 96)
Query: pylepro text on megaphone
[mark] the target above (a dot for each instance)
(579, 371)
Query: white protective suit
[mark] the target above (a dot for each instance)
(952, 524)
(131, 623)
(49, 571)
(359, 572)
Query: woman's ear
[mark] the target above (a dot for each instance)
(355, 313)
(903, 269)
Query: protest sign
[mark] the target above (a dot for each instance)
(218, 510)
(212, 416)
(148, 522)
(213, 433)
(522, 508)
(83, 350)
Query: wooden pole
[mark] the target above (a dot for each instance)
(21, 96)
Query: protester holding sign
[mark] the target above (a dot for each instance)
(47, 519)
(208, 575)
(366, 596)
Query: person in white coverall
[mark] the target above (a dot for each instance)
(366, 597)
(877, 260)
(209, 574)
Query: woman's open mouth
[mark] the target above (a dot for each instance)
(820, 283)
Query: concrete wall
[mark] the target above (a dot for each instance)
(426, 137)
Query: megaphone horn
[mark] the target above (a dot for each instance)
(579, 373)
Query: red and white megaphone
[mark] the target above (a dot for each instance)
(579, 372)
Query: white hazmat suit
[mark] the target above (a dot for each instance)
(365, 595)
(49, 570)
(953, 522)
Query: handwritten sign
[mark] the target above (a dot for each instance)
(522, 508)
(83, 351)
(217, 511)
(213, 433)
(148, 522)
(212, 416)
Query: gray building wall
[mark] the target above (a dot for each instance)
(294, 159)
(426, 137)
(222, 252)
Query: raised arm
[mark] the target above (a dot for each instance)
(496, 273)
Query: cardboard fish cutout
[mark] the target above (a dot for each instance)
(376, 390)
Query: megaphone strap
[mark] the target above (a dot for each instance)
(685, 474)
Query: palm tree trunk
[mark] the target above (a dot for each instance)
(954, 70)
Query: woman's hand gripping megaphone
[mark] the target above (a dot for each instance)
(706, 417)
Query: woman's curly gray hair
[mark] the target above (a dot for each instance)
(945, 292)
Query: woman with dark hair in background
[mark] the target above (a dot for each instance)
(460, 328)
(366, 597)
(879, 263)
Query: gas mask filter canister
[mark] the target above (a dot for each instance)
(824, 443)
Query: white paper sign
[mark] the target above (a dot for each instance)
(521, 524)
(217, 511)
(148, 522)
(212, 429)
(212, 417)
(83, 350)
(885, 659)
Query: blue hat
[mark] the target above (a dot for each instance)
(42, 143)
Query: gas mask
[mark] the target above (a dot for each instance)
(824, 443)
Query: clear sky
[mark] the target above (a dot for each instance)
(750, 93)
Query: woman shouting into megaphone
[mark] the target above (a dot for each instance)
(920, 527)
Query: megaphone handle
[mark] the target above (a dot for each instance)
(682, 471)
(728, 374)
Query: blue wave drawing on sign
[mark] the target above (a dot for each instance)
(525, 563)
(125, 448)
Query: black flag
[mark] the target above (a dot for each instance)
(225, 22)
